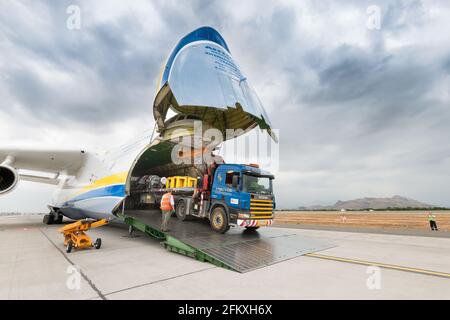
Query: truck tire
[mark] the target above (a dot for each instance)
(48, 219)
(69, 247)
(219, 220)
(180, 211)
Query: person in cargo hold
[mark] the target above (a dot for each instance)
(167, 208)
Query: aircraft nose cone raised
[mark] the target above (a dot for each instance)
(202, 81)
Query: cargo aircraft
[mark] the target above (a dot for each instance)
(200, 81)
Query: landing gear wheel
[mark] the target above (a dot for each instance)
(180, 211)
(69, 247)
(48, 219)
(59, 220)
(251, 229)
(98, 243)
(219, 220)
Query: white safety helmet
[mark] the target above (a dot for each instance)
(163, 180)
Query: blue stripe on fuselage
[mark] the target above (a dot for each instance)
(109, 191)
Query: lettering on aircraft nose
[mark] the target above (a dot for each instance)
(221, 96)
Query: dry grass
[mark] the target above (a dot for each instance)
(365, 219)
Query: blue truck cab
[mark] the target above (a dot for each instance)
(241, 195)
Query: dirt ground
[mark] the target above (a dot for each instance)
(364, 219)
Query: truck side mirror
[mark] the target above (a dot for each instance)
(235, 182)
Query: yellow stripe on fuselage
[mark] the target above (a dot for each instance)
(118, 178)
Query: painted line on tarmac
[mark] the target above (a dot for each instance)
(381, 265)
(83, 275)
(158, 281)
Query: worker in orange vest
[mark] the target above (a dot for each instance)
(167, 207)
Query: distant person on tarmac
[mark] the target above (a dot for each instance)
(167, 207)
(432, 219)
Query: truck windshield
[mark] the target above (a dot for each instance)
(255, 184)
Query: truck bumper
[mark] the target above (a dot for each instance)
(254, 223)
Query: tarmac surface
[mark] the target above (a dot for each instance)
(404, 232)
(34, 265)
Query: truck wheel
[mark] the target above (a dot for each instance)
(219, 220)
(48, 219)
(251, 229)
(180, 211)
(98, 243)
(69, 247)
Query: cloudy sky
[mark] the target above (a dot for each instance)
(362, 111)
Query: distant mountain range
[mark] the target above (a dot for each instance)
(397, 202)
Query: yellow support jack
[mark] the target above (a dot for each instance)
(75, 236)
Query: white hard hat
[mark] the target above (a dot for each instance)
(163, 180)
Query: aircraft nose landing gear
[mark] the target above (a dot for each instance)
(53, 217)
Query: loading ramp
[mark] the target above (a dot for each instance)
(237, 250)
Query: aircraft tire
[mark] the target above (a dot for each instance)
(59, 220)
(48, 219)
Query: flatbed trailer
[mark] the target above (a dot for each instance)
(183, 198)
(177, 193)
(237, 250)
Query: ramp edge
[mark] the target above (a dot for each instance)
(173, 244)
(138, 225)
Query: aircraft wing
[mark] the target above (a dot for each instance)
(50, 161)
(39, 161)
